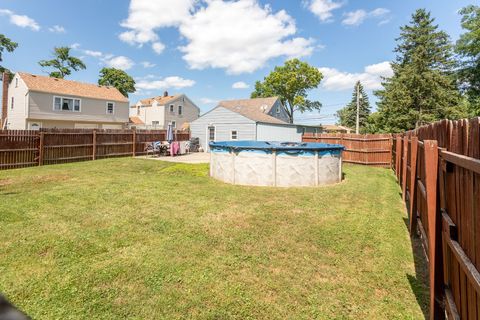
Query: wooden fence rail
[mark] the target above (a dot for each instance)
(24, 148)
(366, 149)
(438, 169)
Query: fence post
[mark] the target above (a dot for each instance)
(94, 144)
(435, 268)
(40, 148)
(134, 139)
(413, 185)
(398, 158)
(404, 167)
(390, 141)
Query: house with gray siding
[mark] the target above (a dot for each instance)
(43, 102)
(262, 119)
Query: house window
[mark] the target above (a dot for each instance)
(171, 108)
(174, 124)
(16, 82)
(233, 135)
(155, 123)
(211, 133)
(110, 107)
(34, 126)
(66, 104)
(278, 109)
(180, 110)
(138, 111)
(12, 103)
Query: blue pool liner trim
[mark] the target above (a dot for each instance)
(297, 148)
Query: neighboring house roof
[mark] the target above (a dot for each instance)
(254, 109)
(161, 100)
(334, 127)
(136, 120)
(71, 88)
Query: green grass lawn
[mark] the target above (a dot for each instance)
(142, 239)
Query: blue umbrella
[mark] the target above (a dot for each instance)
(169, 133)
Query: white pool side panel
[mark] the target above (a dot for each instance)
(276, 168)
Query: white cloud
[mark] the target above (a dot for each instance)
(108, 59)
(22, 21)
(355, 18)
(239, 36)
(240, 85)
(147, 64)
(145, 16)
(119, 62)
(208, 101)
(165, 83)
(57, 29)
(91, 53)
(379, 12)
(158, 47)
(371, 78)
(323, 8)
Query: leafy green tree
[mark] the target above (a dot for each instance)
(347, 116)
(290, 83)
(423, 88)
(468, 48)
(9, 46)
(63, 63)
(117, 78)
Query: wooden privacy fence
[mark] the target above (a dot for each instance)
(24, 148)
(438, 168)
(367, 149)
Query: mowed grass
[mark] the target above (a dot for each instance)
(142, 239)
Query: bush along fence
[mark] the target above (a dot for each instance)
(366, 149)
(438, 169)
(24, 148)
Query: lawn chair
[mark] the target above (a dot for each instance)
(153, 147)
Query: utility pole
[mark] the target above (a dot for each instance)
(357, 127)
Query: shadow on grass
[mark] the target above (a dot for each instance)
(419, 281)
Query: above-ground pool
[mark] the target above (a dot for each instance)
(282, 164)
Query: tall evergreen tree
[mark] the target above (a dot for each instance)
(468, 48)
(347, 116)
(423, 87)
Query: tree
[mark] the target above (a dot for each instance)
(117, 78)
(468, 48)
(290, 83)
(347, 116)
(63, 63)
(422, 88)
(9, 46)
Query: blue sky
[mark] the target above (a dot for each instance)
(215, 50)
